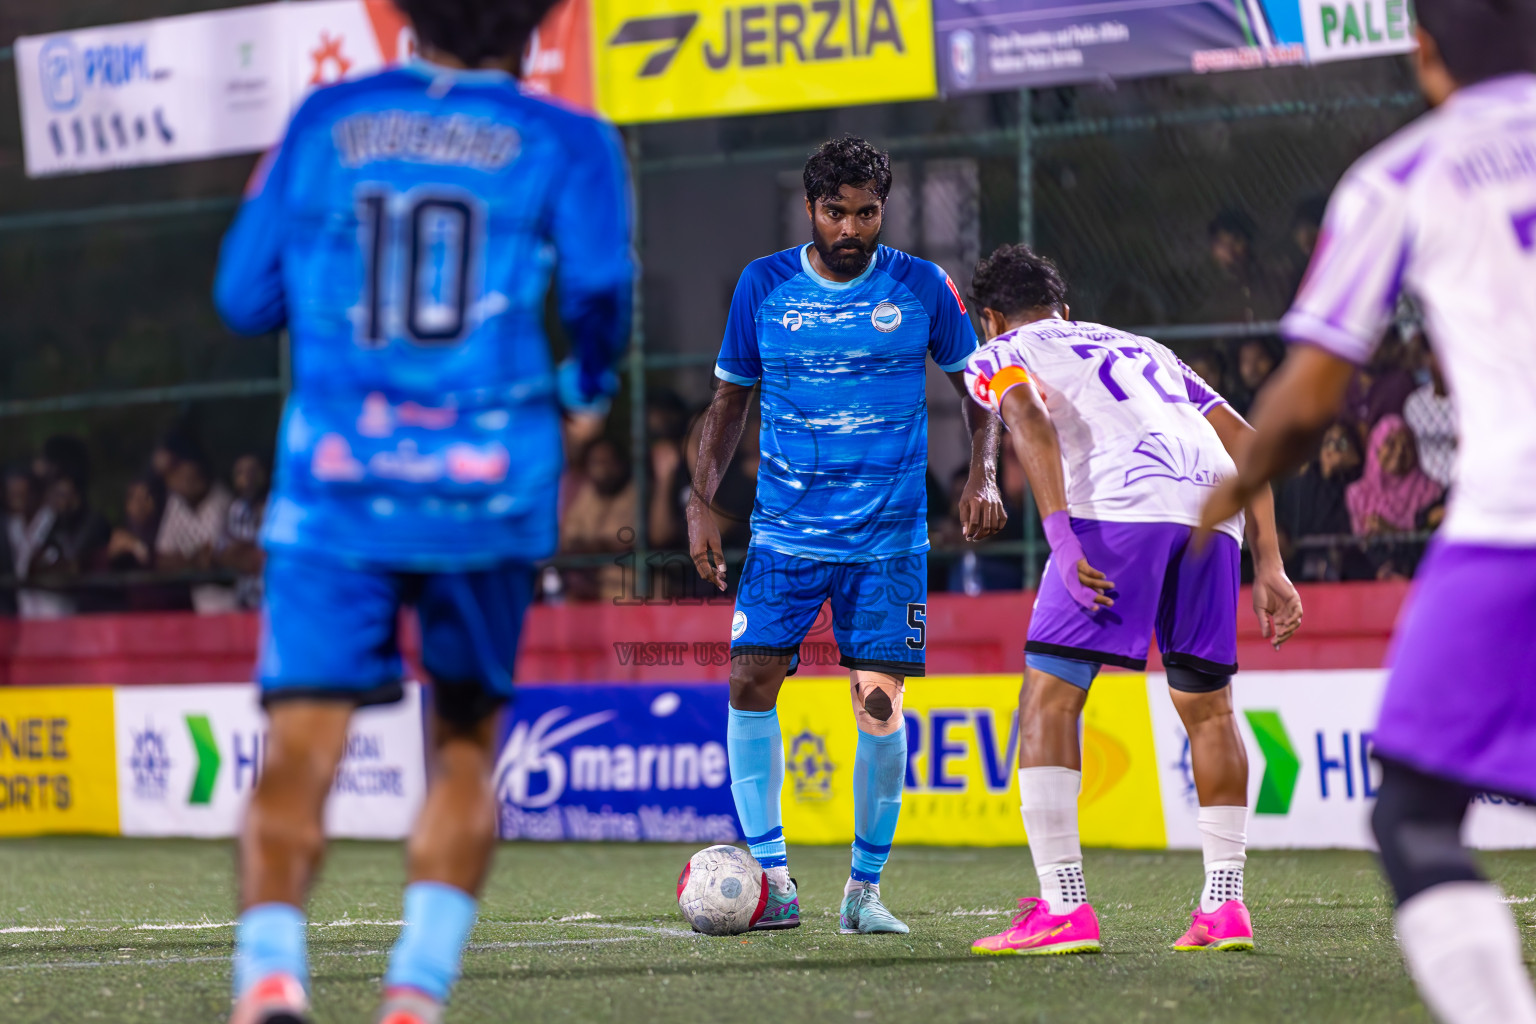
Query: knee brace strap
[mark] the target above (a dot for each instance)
(1417, 822)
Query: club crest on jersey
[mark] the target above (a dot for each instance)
(886, 317)
(738, 624)
(792, 319)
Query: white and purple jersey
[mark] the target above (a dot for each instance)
(1135, 444)
(1446, 208)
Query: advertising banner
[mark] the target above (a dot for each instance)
(1345, 29)
(57, 772)
(986, 45)
(188, 757)
(1311, 779)
(962, 748)
(624, 762)
(224, 82)
(153, 92)
(662, 60)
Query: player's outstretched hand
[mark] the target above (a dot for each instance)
(982, 512)
(1277, 605)
(704, 544)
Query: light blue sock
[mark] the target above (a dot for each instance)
(438, 919)
(756, 754)
(879, 771)
(269, 939)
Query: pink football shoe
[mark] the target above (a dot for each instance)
(275, 999)
(1038, 932)
(1229, 927)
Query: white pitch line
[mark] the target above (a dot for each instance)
(473, 947)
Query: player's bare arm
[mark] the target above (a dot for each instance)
(982, 512)
(724, 421)
(1275, 600)
(1291, 414)
(1039, 452)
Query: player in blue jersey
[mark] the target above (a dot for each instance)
(838, 333)
(403, 233)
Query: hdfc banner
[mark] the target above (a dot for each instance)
(189, 756)
(1311, 780)
(660, 60)
(225, 82)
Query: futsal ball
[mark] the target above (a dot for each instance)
(722, 891)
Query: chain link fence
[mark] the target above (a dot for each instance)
(1141, 190)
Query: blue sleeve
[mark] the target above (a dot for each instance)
(951, 338)
(592, 231)
(740, 360)
(248, 288)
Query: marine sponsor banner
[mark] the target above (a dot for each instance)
(985, 45)
(962, 748)
(56, 764)
(1312, 782)
(660, 60)
(623, 762)
(189, 756)
(225, 82)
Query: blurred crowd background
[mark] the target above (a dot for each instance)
(136, 432)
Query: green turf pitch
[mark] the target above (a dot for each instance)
(134, 931)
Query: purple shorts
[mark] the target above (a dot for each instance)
(1161, 583)
(1461, 696)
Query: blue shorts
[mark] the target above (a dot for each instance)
(330, 631)
(879, 609)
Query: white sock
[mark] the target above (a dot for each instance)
(1463, 950)
(853, 885)
(1048, 804)
(778, 878)
(1224, 840)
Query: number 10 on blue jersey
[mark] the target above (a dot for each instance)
(422, 256)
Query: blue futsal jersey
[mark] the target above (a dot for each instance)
(844, 466)
(406, 231)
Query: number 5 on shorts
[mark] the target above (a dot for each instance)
(917, 618)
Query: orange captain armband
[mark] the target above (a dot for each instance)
(1005, 379)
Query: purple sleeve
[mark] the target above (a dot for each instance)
(1201, 394)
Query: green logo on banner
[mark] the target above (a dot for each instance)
(1281, 765)
(207, 759)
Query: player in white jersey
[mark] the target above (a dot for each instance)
(1445, 209)
(1121, 443)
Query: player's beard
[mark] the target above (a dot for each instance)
(847, 257)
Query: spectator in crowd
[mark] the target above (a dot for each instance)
(61, 454)
(600, 518)
(666, 427)
(1239, 289)
(1431, 415)
(195, 515)
(1208, 363)
(1256, 361)
(131, 548)
(1381, 387)
(1391, 496)
(73, 545)
(237, 547)
(27, 519)
(1306, 224)
(1312, 505)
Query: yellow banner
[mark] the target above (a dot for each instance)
(660, 60)
(58, 769)
(962, 785)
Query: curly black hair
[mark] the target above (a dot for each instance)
(1015, 279)
(476, 31)
(1481, 39)
(847, 161)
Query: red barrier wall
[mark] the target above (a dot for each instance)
(1346, 626)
